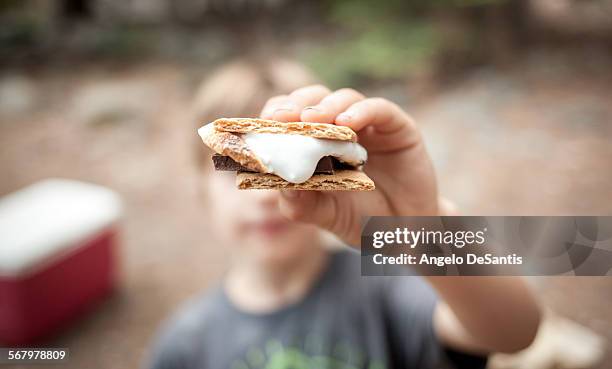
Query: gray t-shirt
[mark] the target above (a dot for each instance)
(345, 321)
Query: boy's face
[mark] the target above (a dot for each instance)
(250, 221)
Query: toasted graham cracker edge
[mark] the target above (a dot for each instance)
(343, 180)
(231, 145)
(316, 130)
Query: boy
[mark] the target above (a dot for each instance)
(289, 302)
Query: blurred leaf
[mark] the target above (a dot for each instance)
(120, 41)
(20, 32)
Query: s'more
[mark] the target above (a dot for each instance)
(267, 154)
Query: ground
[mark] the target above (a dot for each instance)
(533, 139)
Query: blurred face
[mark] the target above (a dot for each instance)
(250, 222)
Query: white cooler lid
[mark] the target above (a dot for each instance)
(50, 217)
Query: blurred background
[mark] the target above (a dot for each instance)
(513, 97)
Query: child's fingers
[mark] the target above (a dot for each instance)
(330, 106)
(271, 105)
(383, 115)
(287, 108)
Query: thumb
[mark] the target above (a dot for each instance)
(331, 211)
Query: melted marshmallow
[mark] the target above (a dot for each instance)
(294, 158)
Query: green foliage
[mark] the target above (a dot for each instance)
(382, 39)
(19, 33)
(120, 41)
(385, 52)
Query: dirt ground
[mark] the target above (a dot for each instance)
(536, 139)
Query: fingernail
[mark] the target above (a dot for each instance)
(282, 110)
(313, 108)
(344, 117)
(281, 113)
(286, 107)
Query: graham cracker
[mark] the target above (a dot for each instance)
(316, 130)
(232, 145)
(342, 180)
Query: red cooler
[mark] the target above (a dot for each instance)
(57, 240)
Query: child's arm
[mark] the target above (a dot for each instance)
(485, 314)
(479, 314)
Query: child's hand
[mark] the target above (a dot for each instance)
(397, 160)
